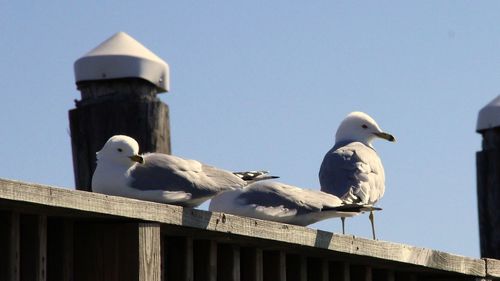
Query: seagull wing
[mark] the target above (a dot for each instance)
(171, 173)
(353, 172)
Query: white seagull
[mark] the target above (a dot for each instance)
(352, 170)
(160, 177)
(284, 203)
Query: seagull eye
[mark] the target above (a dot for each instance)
(364, 126)
(120, 150)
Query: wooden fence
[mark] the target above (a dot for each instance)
(49, 233)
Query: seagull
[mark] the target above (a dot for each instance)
(162, 178)
(352, 170)
(283, 203)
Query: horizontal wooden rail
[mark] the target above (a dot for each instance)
(261, 244)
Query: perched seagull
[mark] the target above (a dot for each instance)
(160, 177)
(284, 203)
(352, 169)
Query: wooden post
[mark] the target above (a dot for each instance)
(118, 81)
(149, 252)
(488, 179)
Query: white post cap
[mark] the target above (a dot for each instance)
(489, 116)
(121, 56)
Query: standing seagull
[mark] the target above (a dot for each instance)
(160, 177)
(352, 169)
(284, 203)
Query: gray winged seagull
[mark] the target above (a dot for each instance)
(162, 178)
(283, 203)
(352, 170)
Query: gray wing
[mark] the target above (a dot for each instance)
(291, 199)
(171, 173)
(353, 172)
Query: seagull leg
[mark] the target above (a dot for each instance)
(372, 222)
(343, 224)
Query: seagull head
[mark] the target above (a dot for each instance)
(122, 150)
(359, 126)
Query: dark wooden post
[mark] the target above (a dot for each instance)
(119, 81)
(488, 179)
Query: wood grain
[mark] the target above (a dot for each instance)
(111, 107)
(89, 204)
(149, 252)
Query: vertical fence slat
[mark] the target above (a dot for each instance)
(228, 262)
(317, 269)
(68, 254)
(42, 248)
(383, 275)
(149, 252)
(361, 273)
(14, 264)
(325, 274)
(188, 250)
(296, 267)
(405, 276)
(14, 255)
(106, 251)
(340, 271)
(251, 264)
(9, 246)
(204, 260)
(33, 247)
(274, 266)
(178, 258)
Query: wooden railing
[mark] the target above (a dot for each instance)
(49, 233)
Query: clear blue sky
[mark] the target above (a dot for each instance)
(260, 85)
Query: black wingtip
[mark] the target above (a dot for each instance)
(255, 175)
(355, 208)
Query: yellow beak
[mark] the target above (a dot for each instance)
(386, 136)
(137, 158)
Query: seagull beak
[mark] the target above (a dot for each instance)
(137, 158)
(385, 136)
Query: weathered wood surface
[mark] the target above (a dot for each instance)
(110, 107)
(403, 256)
(149, 252)
(492, 267)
